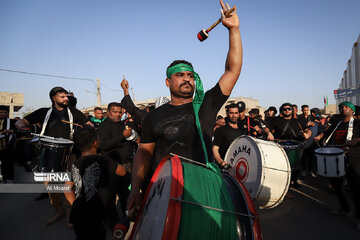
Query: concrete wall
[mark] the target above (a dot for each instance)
(15, 101)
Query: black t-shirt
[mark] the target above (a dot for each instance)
(287, 129)
(224, 136)
(55, 127)
(339, 136)
(173, 128)
(113, 143)
(95, 188)
(247, 126)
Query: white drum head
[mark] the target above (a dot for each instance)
(245, 158)
(329, 151)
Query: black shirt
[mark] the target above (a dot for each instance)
(339, 136)
(224, 136)
(55, 127)
(95, 188)
(113, 143)
(173, 128)
(287, 129)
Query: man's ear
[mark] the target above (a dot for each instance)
(167, 82)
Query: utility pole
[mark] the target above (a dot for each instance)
(98, 92)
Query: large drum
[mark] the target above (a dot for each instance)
(188, 201)
(330, 162)
(53, 154)
(293, 150)
(263, 168)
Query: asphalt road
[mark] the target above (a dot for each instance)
(304, 215)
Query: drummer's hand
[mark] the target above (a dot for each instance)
(230, 21)
(317, 139)
(7, 131)
(127, 132)
(133, 203)
(312, 124)
(257, 128)
(353, 142)
(270, 137)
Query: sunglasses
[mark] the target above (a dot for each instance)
(286, 109)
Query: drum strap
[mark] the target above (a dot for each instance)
(327, 140)
(248, 125)
(46, 120)
(350, 130)
(8, 128)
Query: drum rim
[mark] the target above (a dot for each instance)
(174, 207)
(62, 141)
(317, 151)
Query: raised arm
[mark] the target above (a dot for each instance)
(235, 54)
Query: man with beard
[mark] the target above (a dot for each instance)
(288, 128)
(55, 123)
(225, 135)
(184, 126)
(346, 132)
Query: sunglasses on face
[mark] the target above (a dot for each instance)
(286, 109)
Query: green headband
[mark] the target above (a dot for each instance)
(178, 68)
(349, 104)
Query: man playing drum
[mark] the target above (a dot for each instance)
(288, 128)
(55, 123)
(172, 128)
(346, 133)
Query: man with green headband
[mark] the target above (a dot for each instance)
(184, 126)
(346, 133)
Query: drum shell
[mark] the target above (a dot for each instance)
(170, 226)
(330, 162)
(293, 151)
(52, 157)
(267, 171)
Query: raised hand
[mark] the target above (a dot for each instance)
(230, 20)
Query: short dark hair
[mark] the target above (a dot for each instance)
(294, 106)
(56, 90)
(84, 138)
(114, 104)
(232, 105)
(179, 61)
(304, 106)
(97, 108)
(4, 108)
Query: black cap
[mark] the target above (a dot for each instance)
(241, 105)
(316, 111)
(272, 108)
(254, 111)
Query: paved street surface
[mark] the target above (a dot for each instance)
(304, 215)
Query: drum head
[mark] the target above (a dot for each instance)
(159, 216)
(61, 141)
(245, 158)
(329, 151)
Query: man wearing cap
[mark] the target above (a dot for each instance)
(345, 133)
(55, 123)
(184, 126)
(270, 114)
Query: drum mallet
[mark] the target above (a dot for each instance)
(204, 34)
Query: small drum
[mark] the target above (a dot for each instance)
(53, 154)
(263, 167)
(3, 143)
(181, 203)
(293, 150)
(330, 162)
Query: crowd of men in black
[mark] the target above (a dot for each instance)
(116, 135)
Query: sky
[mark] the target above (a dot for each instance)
(294, 51)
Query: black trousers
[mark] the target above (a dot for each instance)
(7, 164)
(354, 183)
(336, 183)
